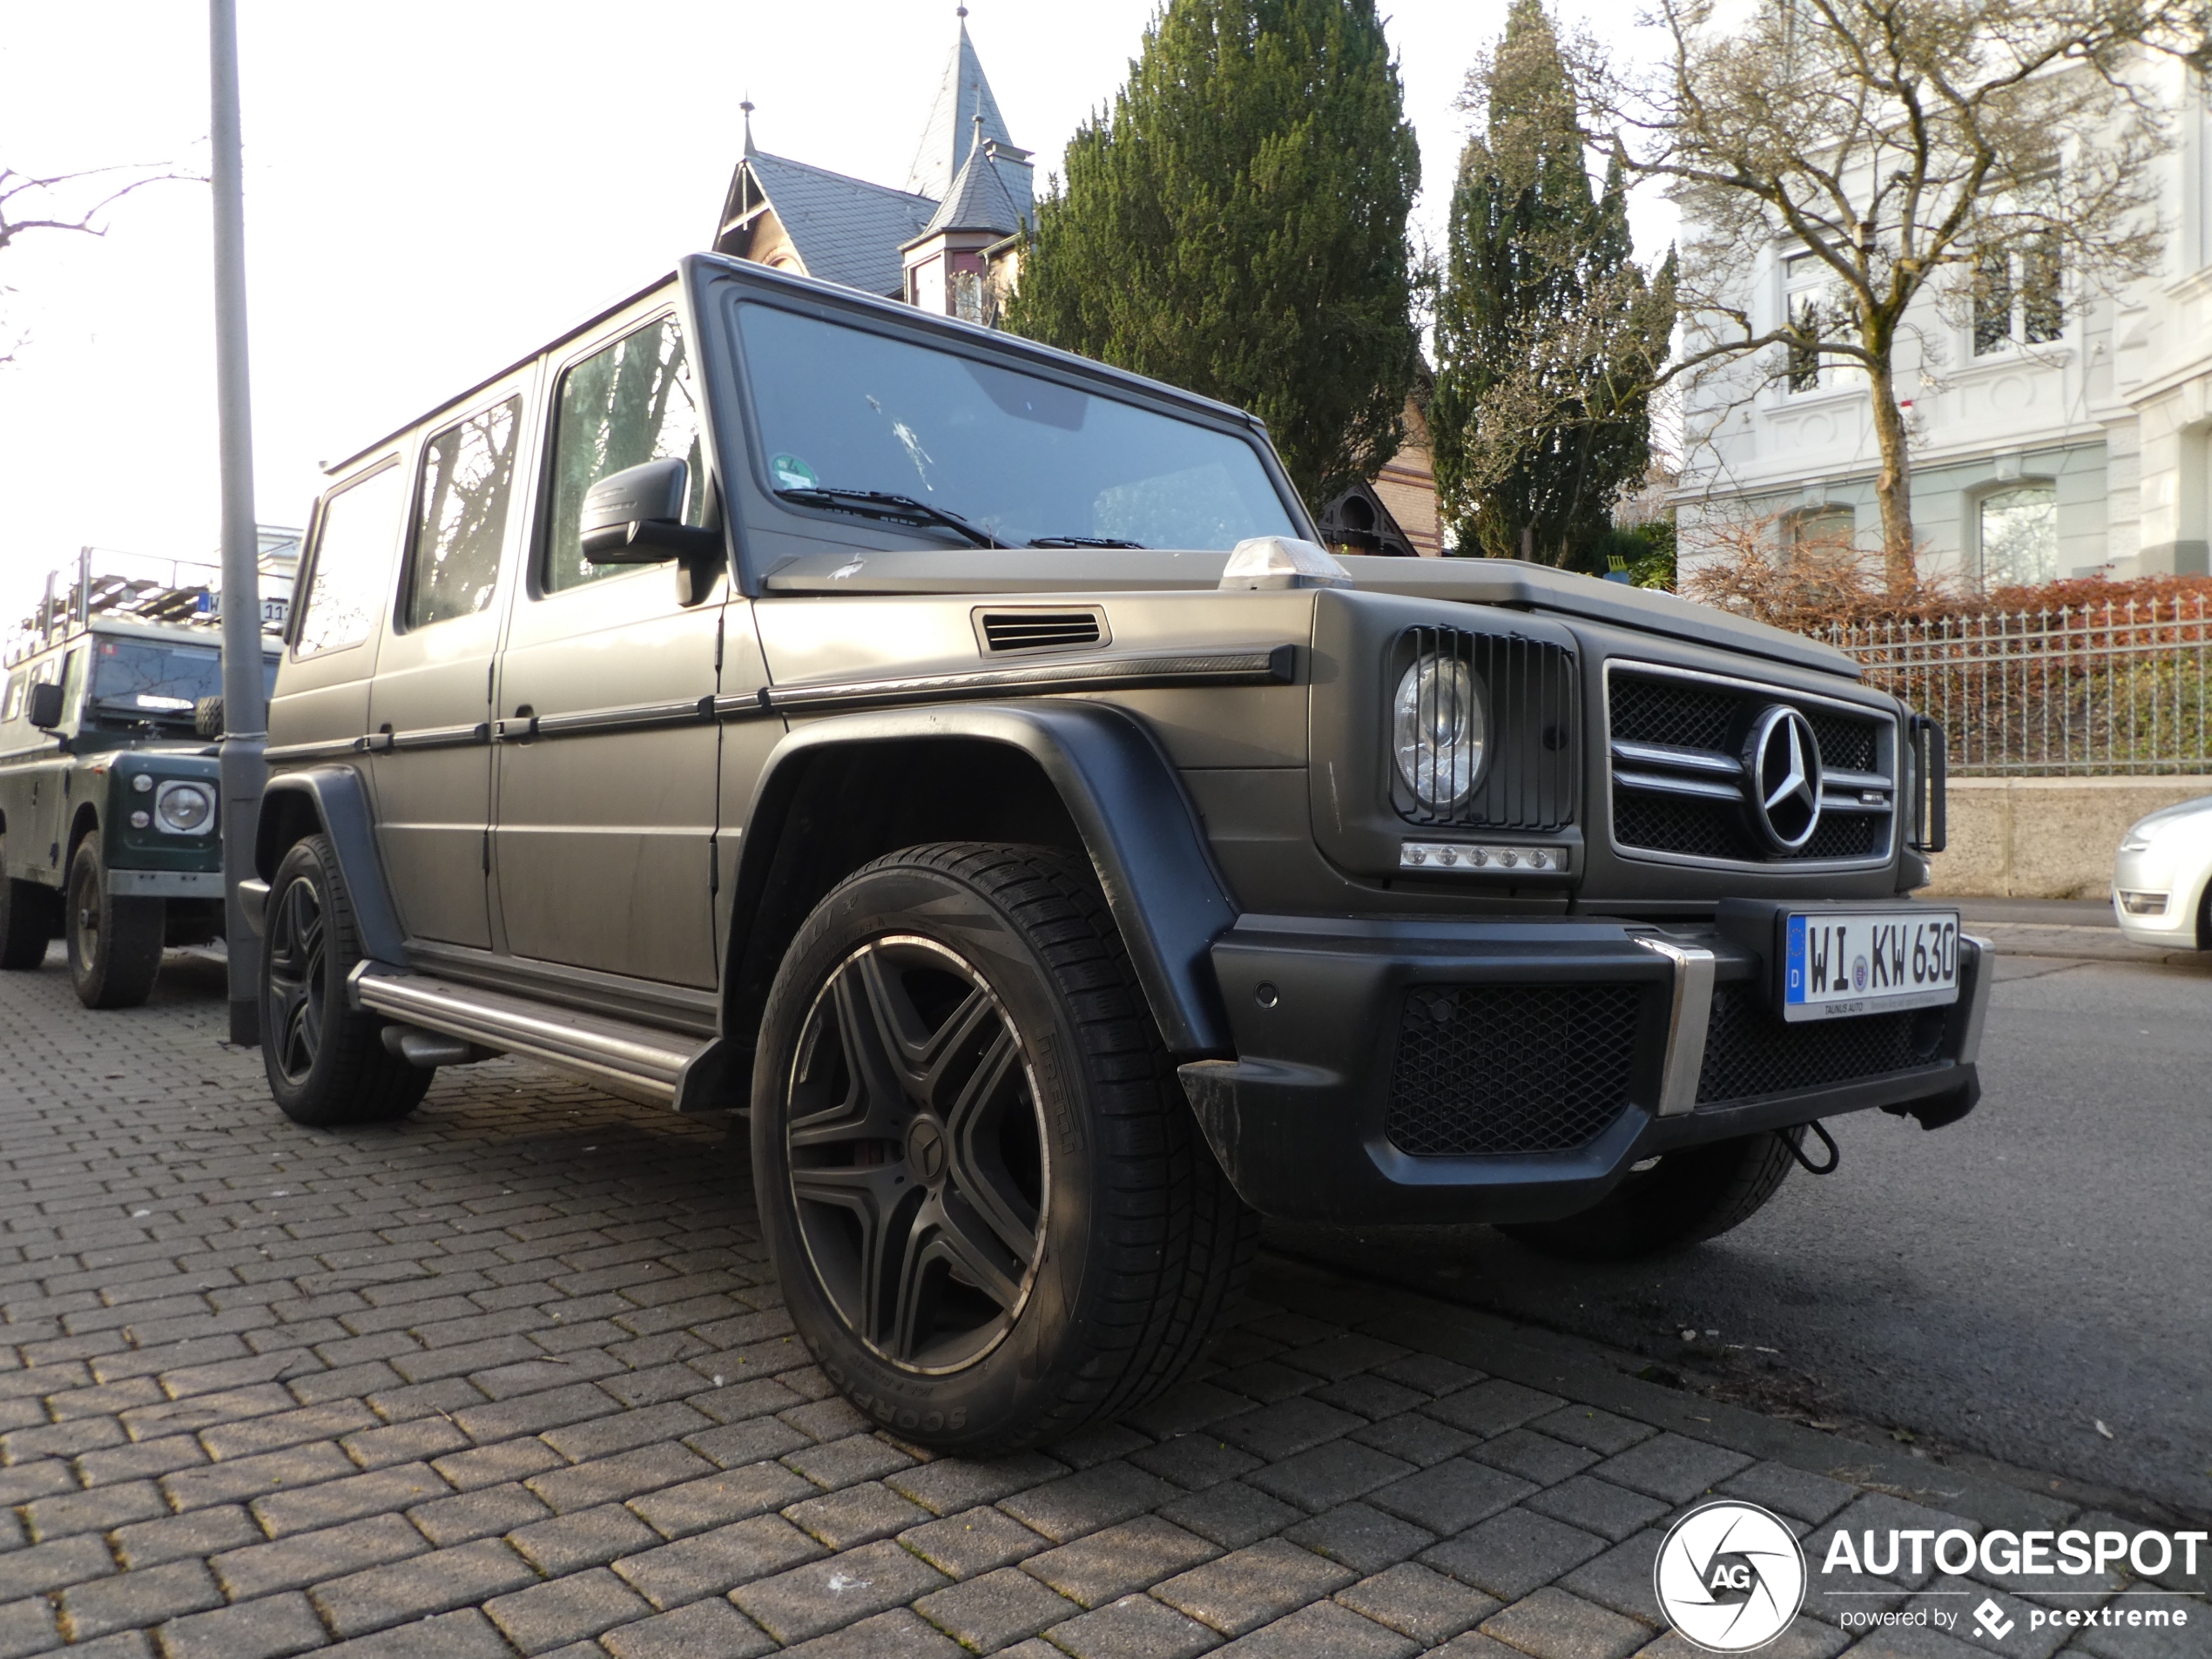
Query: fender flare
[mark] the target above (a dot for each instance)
(1126, 801)
(335, 795)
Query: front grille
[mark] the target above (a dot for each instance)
(1749, 1053)
(1678, 783)
(1679, 712)
(1487, 1070)
(1525, 689)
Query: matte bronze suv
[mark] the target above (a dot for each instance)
(959, 756)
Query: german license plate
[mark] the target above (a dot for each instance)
(1840, 963)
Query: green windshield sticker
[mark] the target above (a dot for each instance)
(792, 473)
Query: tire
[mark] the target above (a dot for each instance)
(327, 1063)
(1049, 1242)
(26, 923)
(1687, 1197)
(114, 944)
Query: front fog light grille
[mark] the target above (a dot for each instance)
(2142, 904)
(1749, 1052)
(1482, 1070)
(1481, 730)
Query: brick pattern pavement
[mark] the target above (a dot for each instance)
(513, 1377)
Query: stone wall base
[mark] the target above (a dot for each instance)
(2045, 838)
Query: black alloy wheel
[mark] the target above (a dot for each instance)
(919, 1164)
(994, 1217)
(297, 974)
(326, 1060)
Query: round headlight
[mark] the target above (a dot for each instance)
(1436, 728)
(185, 809)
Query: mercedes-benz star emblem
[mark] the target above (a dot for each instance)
(926, 1149)
(1783, 762)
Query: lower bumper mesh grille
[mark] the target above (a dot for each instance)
(1486, 1069)
(1748, 1052)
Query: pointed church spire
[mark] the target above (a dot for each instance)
(962, 90)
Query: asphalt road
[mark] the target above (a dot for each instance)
(2033, 1284)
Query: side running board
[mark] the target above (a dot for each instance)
(641, 1063)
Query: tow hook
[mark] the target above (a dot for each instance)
(1797, 1150)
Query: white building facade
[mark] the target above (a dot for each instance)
(2057, 433)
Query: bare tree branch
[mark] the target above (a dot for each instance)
(1895, 142)
(27, 203)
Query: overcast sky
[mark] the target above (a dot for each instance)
(432, 187)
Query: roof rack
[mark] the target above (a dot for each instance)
(108, 585)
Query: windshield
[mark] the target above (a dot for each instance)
(153, 680)
(1023, 460)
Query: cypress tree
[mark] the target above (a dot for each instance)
(1235, 225)
(1547, 336)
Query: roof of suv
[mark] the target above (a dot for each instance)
(852, 299)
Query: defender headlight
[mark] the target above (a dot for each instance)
(182, 808)
(1437, 730)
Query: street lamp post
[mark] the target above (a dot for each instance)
(244, 701)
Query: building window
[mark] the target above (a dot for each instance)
(1805, 284)
(2019, 536)
(2018, 295)
(967, 296)
(2042, 306)
(1833, 526)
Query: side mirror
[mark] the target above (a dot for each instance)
(634, 516)
(45, 707)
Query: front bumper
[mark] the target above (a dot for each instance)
(1562, 1053)
(166, 884)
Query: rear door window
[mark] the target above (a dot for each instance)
(627, 403)
(468, 477)
(13, 706)
(351, 562)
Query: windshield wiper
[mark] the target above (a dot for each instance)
(1084, 541)
(878, 503)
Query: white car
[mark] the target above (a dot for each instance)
(2161, 882)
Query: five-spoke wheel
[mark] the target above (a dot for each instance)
(917, 1154)
(297, 964)
(987, 1200)
(325, 1061)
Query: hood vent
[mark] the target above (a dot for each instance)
(1005, 632)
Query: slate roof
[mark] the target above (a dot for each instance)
(845, 230)
(979, 199)
(962, 93)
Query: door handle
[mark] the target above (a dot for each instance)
(521, 728)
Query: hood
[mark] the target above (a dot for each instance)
(2166, 817)
(1540, 587)
(1483, 582)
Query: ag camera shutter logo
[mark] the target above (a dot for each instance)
(1730, 1576)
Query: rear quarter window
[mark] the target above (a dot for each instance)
(350, 563)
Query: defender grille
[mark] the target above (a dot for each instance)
(1530, 726)
(1678, 784)
(1749, 1053)
(1012, 631)
(1482, 1070)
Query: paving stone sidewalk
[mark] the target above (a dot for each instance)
(513, 1378)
